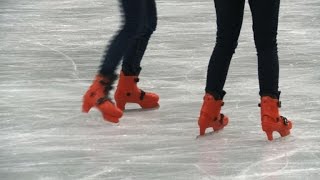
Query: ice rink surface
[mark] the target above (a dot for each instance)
(50, 51)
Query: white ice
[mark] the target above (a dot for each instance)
(50, 51)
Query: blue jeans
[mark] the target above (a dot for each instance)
(229, 13)
(139, 22)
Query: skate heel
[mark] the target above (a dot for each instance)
(121, 104)
(86, 106)
(202, 125)
(202, 130)
(269, 135)
(268, 129)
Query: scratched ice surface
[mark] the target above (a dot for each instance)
(50, 51)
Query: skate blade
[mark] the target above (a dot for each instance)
(141, 109)
(207, 134)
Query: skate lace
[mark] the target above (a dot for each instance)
(285, 120)
(143, 93)
(107, 87)
(221, 118)
(104, 99)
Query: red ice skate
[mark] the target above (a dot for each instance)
(97, 96)
(128, 92)
(271, 120)
(210, 115)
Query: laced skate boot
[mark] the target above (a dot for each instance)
(210, 114)
(128, 92)
(97, 96)
(270, 118)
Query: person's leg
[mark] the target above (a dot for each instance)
(98, 93)
(127, 90)
(138, 43)
(265, 14)
(132, 12)
(229, 20)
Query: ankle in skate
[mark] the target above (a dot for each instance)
(128, 92)
(97, 96)
(210, 114)
(271, 120)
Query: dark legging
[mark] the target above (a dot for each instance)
(229, 13)
(130, 43)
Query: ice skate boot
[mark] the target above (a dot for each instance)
(128, 92)
(97, 96)
(270, 118)
(210, 115)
